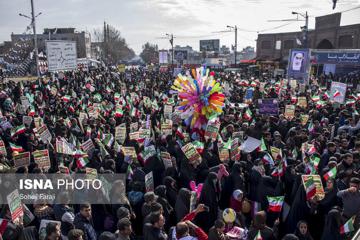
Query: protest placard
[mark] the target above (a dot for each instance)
(41, 157)
(5, 124)
(275, 152)
(166, 158)
(2, 148)
(235, 150)
(91, 173)
(15, 205)
(63, 147)
(44, 133)
(148, 152)
(149, 182)
(193, 201)
(25, 102)
(304, 118)
(87, 146)
(38, 122)
(134, 127)
(28, 215)
(302, 102)
(168, 111)
(166, 129)
(212, 130)
(191, 154)
(134, 135)
(224, 154)
(320, 193)
(144, 133)
(239, 135)
(120, 134)
(250, 144)
(130, 151)
(21, 159)
(268, 106)
(293, 83)
(27, 120)
(289, 111)
(338, 92)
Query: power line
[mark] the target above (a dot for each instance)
(351, 9)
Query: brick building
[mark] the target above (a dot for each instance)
(328, 34)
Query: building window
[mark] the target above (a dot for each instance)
(266, 44)
(288, 44)
(346, 41)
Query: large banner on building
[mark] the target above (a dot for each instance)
(299, 65)
(163, 57)
(348, 57)
(61, 55)
(210, 45)
(180, 55)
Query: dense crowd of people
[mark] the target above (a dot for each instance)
(236, 197)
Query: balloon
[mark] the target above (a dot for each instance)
(229, 215)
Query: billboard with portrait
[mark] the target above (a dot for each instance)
(299, 65)
(180, 55)
(211, 45)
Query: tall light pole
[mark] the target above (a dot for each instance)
(171, 36)
(306, 27)
(235, 47)
(33, 17)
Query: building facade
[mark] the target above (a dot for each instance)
(82, 39)
(328, 34)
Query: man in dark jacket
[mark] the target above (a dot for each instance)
(154, 229)
(83, 221)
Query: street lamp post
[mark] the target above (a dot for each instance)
(306, 17)
(235, 47)
(32, 18)
(172, 47)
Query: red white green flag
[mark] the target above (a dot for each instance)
(18, 130)
(337, 94)
(275, 203)
(31, 111)
(331, 173)
(16, 148)
(258, 236)
(81, 162)
(268, 159)
(248, 114)
(66, 98)
(315, 98)
(263, 147)
(199, 146)
(310, 188)
(119, 113)
(348, 226)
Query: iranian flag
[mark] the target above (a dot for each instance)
(16, 148)
(117, 97)
(336, 94)
(248, 114)
(129, 172)
(179, 133)
(81, 162)
(310, 188)
(31, 111)
(3, 225)
(330, 174)
(350, 102)
(268, 159)
(119, 112)
(133, 111)
(348, 226)
(320, 104)
(312, 149)
(66, 98)
(315, 160)
(315, 98)
(71, 108)
(18, 130)
(275, 203)
(108, 140)
(199, 146)
(327, 95)
(79, 154)
(263, 147)
(258, 236)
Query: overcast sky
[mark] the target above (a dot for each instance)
(190, 20)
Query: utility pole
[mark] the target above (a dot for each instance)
(171, 36)
(35, 38)
(235, 46)
(305, 28)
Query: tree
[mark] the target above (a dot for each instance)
(113, 47)
(150, 53)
